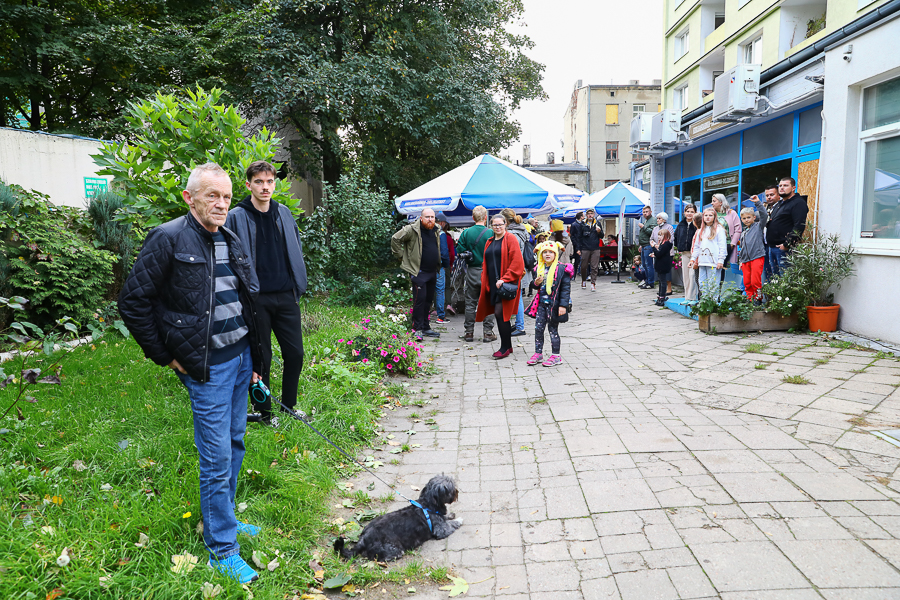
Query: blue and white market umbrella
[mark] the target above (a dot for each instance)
(489, 182)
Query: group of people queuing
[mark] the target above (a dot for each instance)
(759, 239)
(206, 292)
(503, 257)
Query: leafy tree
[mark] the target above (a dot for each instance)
(407, 89)
(73, 65)
(168, 136)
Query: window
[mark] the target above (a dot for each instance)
(637, 109)
(610, 182)
(682, 44)
(673, 168)
(769, 139)
(679, 98)
(880, 161)
(612, 152)
(719, 20)
(722, 154)
(638, 157)
(612, 114)
(751, 52)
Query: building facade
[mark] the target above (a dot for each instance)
(596, 128)
(827, 114)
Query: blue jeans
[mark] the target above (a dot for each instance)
(777, 260)
(220, 420)
(767, 266)
(520, 316)
(440, 305)
(647, 261)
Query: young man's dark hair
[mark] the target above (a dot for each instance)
(791, 179)
(260, 166)
(773, 186)
(272, 239)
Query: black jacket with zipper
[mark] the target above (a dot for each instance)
(168, 300)
(787, 221)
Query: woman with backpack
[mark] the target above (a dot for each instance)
(553, 282)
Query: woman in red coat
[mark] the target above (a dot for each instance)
(503, 262)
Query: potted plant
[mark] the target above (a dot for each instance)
(817, 268)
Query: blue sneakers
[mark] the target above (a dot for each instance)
(234, 568)
(247, 529)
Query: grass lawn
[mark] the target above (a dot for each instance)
(109, 455)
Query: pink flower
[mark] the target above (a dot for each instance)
(418, 364)
(365, 360)
(341, 341)
(355, 352)
(396, 359)
(409, 368)
(349, 342)
(394, 336)
(383, 353)
(389, 366)
(365, 320)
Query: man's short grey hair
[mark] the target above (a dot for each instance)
(479, 214)
(722, 199)
(664, 216)
(748, 211)
(193, 182)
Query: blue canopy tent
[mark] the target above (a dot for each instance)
(608, 202)
(490, 182)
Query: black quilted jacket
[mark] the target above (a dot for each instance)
(168, 301)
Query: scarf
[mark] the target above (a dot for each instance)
(547, 271)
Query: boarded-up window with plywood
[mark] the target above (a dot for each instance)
(612, 114)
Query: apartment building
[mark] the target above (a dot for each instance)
(596, 127)
(826, 111)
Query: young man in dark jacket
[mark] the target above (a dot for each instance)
(188, 304)
(591, 234)
(787, 221)
(272, 239)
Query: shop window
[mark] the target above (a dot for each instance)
(755, 179)
(692, 162)
(769, 139)
(724, 183)
(612, 114)
(880, 147)
(612, 152)
(691, 193)
(673, 168)
(722, 154)
(810, 127)
(672, 204)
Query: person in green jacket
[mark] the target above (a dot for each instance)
(472, 241)
(644, 234)
(418, 248)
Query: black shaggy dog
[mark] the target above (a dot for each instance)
(387, 537)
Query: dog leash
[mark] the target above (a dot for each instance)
(260, 388)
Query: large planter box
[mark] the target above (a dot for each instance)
(760, 321)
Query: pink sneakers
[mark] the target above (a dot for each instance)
(553, 360)
(535, 359)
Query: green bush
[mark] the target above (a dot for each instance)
(820, 266)
(350, 234)
(728, 300)
(169, 136)
(112, 235)
(49, 262)
(384, 339)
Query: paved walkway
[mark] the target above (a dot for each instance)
(660, 463)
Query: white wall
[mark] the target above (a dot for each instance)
(55, 165)
(869, 300)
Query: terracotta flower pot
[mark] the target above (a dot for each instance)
(823, 318)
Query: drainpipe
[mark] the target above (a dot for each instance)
(804, 55)
(589, 138)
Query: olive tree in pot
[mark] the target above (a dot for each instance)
(819, 268)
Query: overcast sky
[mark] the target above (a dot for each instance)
(597, 41)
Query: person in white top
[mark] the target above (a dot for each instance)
(709, 253)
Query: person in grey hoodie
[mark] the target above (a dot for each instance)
(752, 255)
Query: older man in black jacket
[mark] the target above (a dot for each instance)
(787, 222)
(188, 304)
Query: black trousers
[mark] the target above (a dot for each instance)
(424, 286)
(279, 313)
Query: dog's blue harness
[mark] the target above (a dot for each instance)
(424, 510)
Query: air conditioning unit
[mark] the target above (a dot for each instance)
(640, 131)
(665, 128)
(737, 92)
